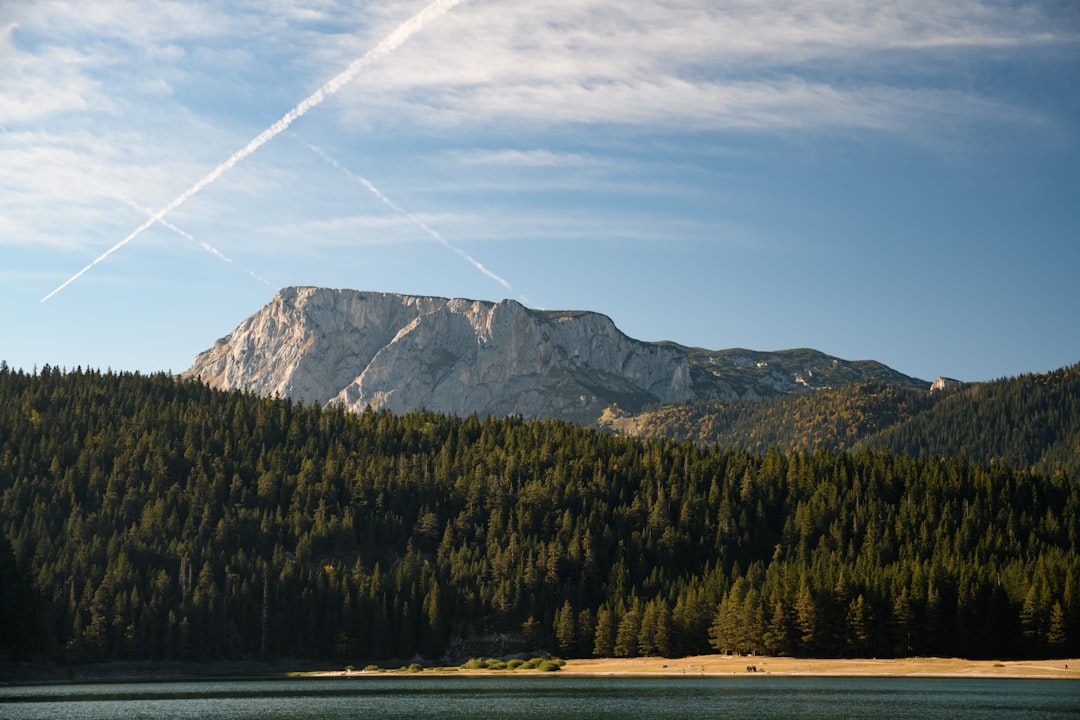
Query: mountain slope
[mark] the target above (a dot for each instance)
(1026, 421)
(402, 353)
(1030, 421)
(837, 418)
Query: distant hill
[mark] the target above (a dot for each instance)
(1030, 421)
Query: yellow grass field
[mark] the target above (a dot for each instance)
(759, 666)
(903, 667)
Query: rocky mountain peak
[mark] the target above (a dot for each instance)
(462, 356)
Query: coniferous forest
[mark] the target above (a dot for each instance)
(1029, 421)
(145, 517)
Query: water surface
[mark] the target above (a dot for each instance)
(517, 697)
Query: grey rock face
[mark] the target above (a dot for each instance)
(456, 356)
(401, 352)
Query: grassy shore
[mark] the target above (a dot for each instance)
(902, 667)
(702, 665)
(726, 665)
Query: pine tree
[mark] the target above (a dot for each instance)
(1057, 636)
(626, 637)
(604, 644)
(586, 624)
(809, 621)
(859, 622)
(777, 637)
(565, 629)
(903, 623)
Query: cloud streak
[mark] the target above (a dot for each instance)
(332, 86)
(741, 65)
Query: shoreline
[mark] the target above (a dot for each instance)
(696, 666)
(756, 666)
(726, 666)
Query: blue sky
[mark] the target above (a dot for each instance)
(892, 181)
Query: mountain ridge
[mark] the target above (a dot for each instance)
(461, 356)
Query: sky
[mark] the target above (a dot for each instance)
(890, 181)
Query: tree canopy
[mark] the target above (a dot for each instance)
(146, 517)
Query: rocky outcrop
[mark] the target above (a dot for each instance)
(402, 352)
(944, 383)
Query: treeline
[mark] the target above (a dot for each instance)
(1030, 421)
(152, 518)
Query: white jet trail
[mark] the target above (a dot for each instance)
(390, 43)
(183, 233)
(420, 223)
(147, 211)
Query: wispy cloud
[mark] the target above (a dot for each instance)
(138, 23)
(740, 64)
(522, 158)
(697, 64)
(144, 96)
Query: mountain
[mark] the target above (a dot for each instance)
(458, 356)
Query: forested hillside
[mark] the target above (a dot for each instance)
(154, 518)
(837, 418)
(1027, 421)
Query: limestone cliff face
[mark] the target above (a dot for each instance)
(402, 353)
(306, 343)
(457, 356)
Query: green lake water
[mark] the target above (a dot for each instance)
(532, 697)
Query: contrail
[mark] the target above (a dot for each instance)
(136, 206)
(182, 233)
(390, 43)
(420, 223)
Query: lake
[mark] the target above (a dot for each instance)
(519, 697)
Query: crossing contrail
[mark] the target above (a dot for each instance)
(390, 43)
(183, 233)
(146, 211)
(417, 221)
